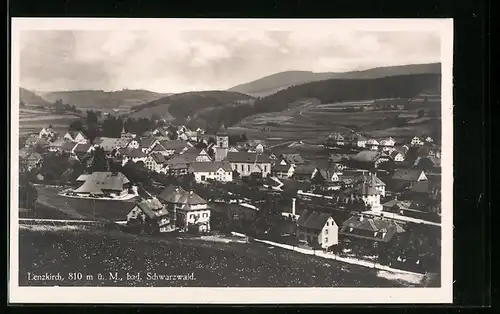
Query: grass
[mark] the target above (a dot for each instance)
(213, 264)
(84, 208)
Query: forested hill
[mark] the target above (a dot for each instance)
(271, 84)
(103, 99)
(30, 98)
(334, 90)
(184, 105)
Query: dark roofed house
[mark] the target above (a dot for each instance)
(317, 229)
(304, 173)
(282, 171)
(370, 158)
(147, 144)
(292, 159)
(108, 184)
(174, 146)
(151, 215)
(370, 228)
(188, 209)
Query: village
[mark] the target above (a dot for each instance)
(370, 199)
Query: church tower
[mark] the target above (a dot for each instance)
(222, 144)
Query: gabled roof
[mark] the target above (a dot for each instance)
(407, 174)
(146, 142)
(369, 224)
(336, 136)
(173, 145)
(82, 148)
(293, 158)
(281, 168)
(68, 146)
(394, 153)
(158, 158)
(98, 181)
(305, 170)
(132, 153)
(312, 220)
(422, 187)
(210, 166)
(180, 196)
(245, 157)
(152, 208)
(367, 156)
(74, 134)
(110, 143)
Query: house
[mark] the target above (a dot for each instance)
(196, 155)
(371, 229)
(336, 139)
(77, 137)
(397, 156)
(32, 140)
(304, 173)
(29, 160)
(107, 184)
(387, 143)
(192, 135)
(109, 144)
(358, 140)
(429, 140)
(317, 228)
(160, 132)
(132, 155)
(218, 171)
(188, 209)
(132, 144)
(182, 137)
(127, 135)
(292, 159)
(372, 144)
(369, 159)
(47, 133)
(416, 141)
(156, 162)
(147, 144)
(255, 146)
(326, 176)
(68, 147)
(177, 168)
(57, 145)
(282, 171)
(81, 150)
(370, 192)
(427, 163)
(410, 175)
(232, 149)
(151, 214)
(174, 147)
(247, 163)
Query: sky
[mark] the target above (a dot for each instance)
(191, 60)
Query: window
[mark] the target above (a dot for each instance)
(248, 168)
(203, 178)
(327, 223)
(326, 231)
(326, 239)
(242, 169)
(191, 216)
(265, 168)
(205, 215)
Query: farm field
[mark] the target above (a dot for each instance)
(31, 120)
(212, 264)
(84, 208)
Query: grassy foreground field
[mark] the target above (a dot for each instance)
(93, 252)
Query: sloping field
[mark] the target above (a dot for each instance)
(211, 264)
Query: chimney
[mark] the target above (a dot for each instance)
(293, 206)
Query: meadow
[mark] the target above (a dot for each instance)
(31, 120)
(213, 264)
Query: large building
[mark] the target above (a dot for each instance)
(218, 171)
(105, 184)
(221, 145)
(248, 163)
(370, 229)
(187, 209)
(151, 215)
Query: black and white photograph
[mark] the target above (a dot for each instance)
(231, 161)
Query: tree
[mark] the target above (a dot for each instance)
(28, 195)
(99, 162)
(421, 113)
(91, 117)
(76, 125)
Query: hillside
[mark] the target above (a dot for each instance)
(102, 99)
(273, 83)
(186, 105)
(31, 98)
(333, 91)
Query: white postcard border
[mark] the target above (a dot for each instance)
(161, 295)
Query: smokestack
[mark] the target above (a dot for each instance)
(293, 206)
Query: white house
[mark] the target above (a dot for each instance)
(77, 137)
(147, 144)
(372, 144)
(47, 133)
(283, 171)
(370, 194)
(156, 163)
(133, 144)
(317, 228)
(429, 140)
(151, 214)
(337, 138)
(416, 141)
(360, 141)
(187, 209)
(218, 171)
(134, 156)
(387, 143)
(397, 156)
